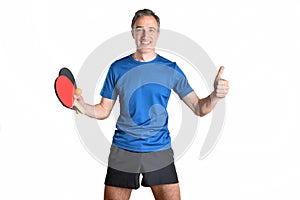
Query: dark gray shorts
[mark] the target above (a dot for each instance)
(125, 167)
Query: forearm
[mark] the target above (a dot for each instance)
(201, 107)
(207, 104)
(96, 111)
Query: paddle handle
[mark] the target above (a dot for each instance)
(78, 107)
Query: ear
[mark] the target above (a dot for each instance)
(132, 34)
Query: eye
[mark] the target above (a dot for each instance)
(152, 30)
(138, 30)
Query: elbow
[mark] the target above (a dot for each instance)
(102, 116)
(100, 112)
(202, 109)
(202, 113)
(106, 115)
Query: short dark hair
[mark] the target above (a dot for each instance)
(145, 12)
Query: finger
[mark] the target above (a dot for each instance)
(222, 87)
(220, 72)
(76, 96)
(220, 81)
(221, 91)
(221, 94)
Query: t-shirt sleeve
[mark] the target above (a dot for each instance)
(109, 90)
(181, 84)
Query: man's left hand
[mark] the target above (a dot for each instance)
(221, 86)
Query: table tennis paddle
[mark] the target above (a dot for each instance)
(66, 72)
(65, 90)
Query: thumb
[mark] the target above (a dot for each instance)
(220, 72)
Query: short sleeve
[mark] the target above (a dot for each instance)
(181, 85)
(109, 90)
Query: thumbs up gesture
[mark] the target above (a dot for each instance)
(221, 86)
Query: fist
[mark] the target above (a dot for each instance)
(221, 86)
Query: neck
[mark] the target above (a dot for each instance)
(144, 57)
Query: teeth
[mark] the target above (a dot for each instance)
(145, 42)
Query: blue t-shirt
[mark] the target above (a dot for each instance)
(144, 90)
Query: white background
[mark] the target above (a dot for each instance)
(258, 42)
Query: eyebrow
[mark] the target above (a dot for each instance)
(143, 27)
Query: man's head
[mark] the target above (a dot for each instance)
(145, 30)
(145, 12)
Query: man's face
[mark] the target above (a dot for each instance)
(145, 33)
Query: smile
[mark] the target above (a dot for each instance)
(145, 42)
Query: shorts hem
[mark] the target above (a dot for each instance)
(155, 184)
(121, 186)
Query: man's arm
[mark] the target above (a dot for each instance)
(201, 107)
(98, 111)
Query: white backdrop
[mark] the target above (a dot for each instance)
(257, 41)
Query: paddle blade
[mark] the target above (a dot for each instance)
(64, 90)
(66, 72)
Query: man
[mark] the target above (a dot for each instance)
(141, 144)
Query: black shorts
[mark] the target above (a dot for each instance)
(125, 167)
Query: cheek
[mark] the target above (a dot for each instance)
(154, 39)
(136, 38)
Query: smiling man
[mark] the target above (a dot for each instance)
(143, 81)
(145, 31)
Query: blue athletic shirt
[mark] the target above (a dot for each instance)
(144, 90)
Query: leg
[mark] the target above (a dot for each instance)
(166, 192)
(163, 183)
(116, 193)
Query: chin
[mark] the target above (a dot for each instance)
(146, 49)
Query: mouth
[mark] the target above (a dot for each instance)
(145, 42)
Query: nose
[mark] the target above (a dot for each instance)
(144, 33)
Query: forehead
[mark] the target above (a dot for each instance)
(146, 21)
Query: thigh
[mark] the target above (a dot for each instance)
(116, 193)
(166, 192)
(119, 170)
(166, 175)
(122, 179)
